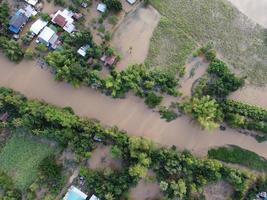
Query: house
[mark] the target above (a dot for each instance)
(64, 20)
(131, 1)
(83, 49)
(17, 22)
(20, 18)
(94, 198)
(48, 37)
(29, 11)
(32, 2)
(109, 60)
(76, 194)
(38, 26)
(102, 7)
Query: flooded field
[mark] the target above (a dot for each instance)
(254, 9)
(252, 95)
(132, 37)
(130, 114)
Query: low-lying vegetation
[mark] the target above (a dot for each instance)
(187, 24)
(20, 159)
(236, 155)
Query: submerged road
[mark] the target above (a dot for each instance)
(129, 114)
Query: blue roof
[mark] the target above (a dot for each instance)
(17, 21)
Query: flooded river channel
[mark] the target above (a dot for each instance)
(129, 114)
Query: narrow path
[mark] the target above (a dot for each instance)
(129, 114)
(68, 184)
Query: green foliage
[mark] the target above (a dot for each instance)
(114, 5)
(240, 115)
(4, 14)
(152, 100)
(224, 82)
(205, 110)
(167, 113)
(107, 183)
(8, 191)
(11, 49)
(237, 155)
(259, 186)
(23, 155)
(51, 171)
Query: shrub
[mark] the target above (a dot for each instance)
(152, 100)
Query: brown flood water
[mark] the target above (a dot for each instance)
(252, 95)
(132, 37)
(254, 9)
(129, 114)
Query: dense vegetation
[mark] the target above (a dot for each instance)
(240, 115)
(180, 174)
(72, 68)
(10, 47)
(205, 110)
(236, 155)
(7, 188)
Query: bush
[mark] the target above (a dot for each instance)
(167, 113)
(152, 100)
(114, 5)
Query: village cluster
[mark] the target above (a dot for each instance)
(46, 32)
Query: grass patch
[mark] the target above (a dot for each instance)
(185, 24)
(21, 157)
(236, 155)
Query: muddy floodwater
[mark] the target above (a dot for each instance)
(132, 37)
(252, 95)
(130, 114)
(254, 9)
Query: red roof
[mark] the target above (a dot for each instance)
(60, 20)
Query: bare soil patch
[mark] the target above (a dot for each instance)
(218, 191)
(132, 37)
(146, 189)
(101, 158)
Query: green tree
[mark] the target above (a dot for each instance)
(205, 109)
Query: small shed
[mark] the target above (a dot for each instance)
(83, 49)
(4, 117)
(32, 2)
(38, 26)
(131, 1)
(102, 7)
(109, 60)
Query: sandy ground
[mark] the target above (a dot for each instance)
(130, 114)
(254, 9)
(252, 95)
(197, 66)
(146, 191)
(218, 191)
(132, 37)
(101, 158)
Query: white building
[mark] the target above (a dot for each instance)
(83, 49)
(38, 26)
(46, 36)
(64, 19)
(32, 2)
(131, 1)
(102, 7)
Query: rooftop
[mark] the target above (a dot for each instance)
(38, 26)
